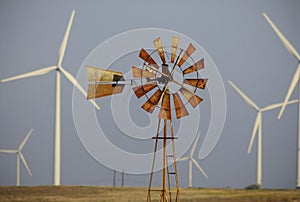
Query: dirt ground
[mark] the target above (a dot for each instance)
(93, 193)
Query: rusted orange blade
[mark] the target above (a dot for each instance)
(147, 58)
(165, 111)
(97, 74)
(149, 106)
(139, 73)
(101, 90)
(160, 50)
(180, 109)
(175, 40)
(199, 83)
(143, 89)
(193, 99)
(195, 67)
(189, 51)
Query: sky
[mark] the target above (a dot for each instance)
(234, 38)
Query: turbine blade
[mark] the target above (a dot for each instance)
(199, 83)
(193, 99)
(143, 89)
(64, 42)
(183, 158)
(160, 50)
(195, 67)
(147, 58)
(30, 74)
(200, 168)
(180, 109)
(140, 73)
(175, 41)
(254, 132)
(25, 163)
(291, 89)
(195, 145)
(285, 42)
(189, 51)
(96, 74)
(246, 98)
(25, 140)
(149, 106)
(274, 106)
(102, 90)
(8, 151)
(165, 110)
(77, 85)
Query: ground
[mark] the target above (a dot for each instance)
(93, 193)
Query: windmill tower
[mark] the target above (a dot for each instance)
(257, 129)
(295, 81)
(20, 156)
(58, 70)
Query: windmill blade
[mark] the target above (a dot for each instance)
(30, 74)
(175, 41)
(96, 74)
(165, 110)
(183, 158)
(77, 85)
(8, 151)
(291, 89)
(102, 90)
(195, 67)
(25, 140)
(149, 106)
(195, 145)
(147, 58)
(160, 50)
(193, 99)
(274, 106)
(180, 109)
(198, 83)
(25, 163)
(64, 42)
(246, 98)
(143, 89)
(140, 73)
(189, 51)
(200, 168)
(254, 132)
(285, 42)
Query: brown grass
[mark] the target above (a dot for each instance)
(88, 193)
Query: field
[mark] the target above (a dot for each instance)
(89, 193)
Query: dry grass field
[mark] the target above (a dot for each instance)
(93, 193)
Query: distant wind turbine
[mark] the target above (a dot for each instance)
(192, 161)
(257, 129)
(295, 81)
(20, 156)
(59, 69)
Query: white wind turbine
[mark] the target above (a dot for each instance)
(192, 161)
(59, 69)
(20, 156)
(257, 129)
(295, 81)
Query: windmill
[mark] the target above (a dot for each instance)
(58, 69)
(20, 156)
(293, 84)
(192, 161)
(257, 129)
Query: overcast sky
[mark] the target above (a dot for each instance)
(238, 39)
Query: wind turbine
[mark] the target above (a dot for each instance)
(293, 84)
(192, 161)
(20, 156)
(59, 69)
(257, 129)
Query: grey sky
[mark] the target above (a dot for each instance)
(234, 33)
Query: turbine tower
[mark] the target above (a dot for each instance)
(20, 156)
(58, 69)
(293, 84)
(257, 129)
(192, 161)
